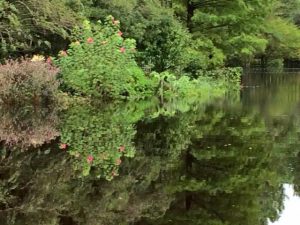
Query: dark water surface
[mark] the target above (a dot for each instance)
(225, 162)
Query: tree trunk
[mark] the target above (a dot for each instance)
(190, 13)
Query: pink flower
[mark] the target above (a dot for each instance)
(122, 148)
(90, 40)
(90, 159)
(120, 33)
(116, 22)
(118, 161)
(122, 50)
(49, 60)
(63, 146)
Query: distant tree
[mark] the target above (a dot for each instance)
(29, 26)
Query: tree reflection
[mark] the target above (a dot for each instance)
(212, 165)
(227, 171)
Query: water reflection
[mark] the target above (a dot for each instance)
(226, 171)
(224, 162)
(97, 139)
(25, 127)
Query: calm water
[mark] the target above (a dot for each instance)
(231, 161)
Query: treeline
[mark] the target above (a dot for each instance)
(179, 35)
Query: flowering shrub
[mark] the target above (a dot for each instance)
(28, 80)
(100, 63)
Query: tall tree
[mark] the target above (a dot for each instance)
(29, 26)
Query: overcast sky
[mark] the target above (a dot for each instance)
(291, 212)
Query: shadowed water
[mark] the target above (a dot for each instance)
(224, 161)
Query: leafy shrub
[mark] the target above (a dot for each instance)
(188, 89)
(158, 34)
(230, 76)
(100, 63)
(275, 64)
(201, 54)
(164, 45)
(167, 45)
(27, 81)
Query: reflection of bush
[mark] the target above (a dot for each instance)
(43, 191)
(98, 139)
(182, 172)
(26, 127)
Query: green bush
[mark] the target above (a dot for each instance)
(164, 45)
(188, 89)
(28, 81)
(31, 26)
(230, 75)
(201, 54)
(100, 63)
(275, 64)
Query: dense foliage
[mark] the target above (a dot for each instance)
(214, 32)
(28, 81)
(171, 35)
(31, 26)
(195, 166)
(71, 74)
(97, 139)
(115, 57)
(100, 63)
